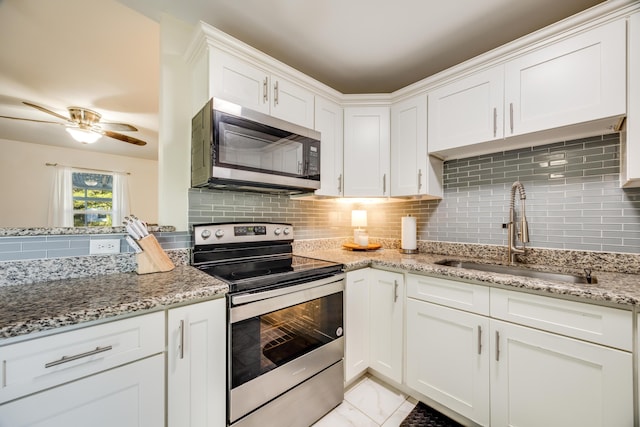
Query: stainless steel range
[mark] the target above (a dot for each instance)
(285, 320)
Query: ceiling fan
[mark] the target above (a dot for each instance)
(85, 126)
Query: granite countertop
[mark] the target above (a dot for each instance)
(52, 304)
(612, 289)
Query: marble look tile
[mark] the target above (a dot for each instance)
(375, 399)
(345, 415)
(399, 415)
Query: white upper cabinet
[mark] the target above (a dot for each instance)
(630, 150)
(329, 121)
(251, 86)
(411, 169)
(575, 80)
(366, 151)
(467, 111)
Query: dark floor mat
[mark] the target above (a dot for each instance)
(424, 416)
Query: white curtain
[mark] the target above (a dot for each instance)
(61, 203)
(120, 198)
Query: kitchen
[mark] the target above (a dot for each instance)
(475, 222)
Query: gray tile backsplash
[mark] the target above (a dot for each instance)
(574, 201)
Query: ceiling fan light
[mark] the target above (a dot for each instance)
(84, 135)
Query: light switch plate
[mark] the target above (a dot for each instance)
(104, 246)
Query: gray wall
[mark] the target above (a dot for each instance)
(574, 202)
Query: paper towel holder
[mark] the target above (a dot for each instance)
(405, 250)
(409, 251)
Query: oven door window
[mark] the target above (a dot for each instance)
(262, 343)
(247, 145)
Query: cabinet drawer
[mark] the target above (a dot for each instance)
(45, 362)
(460, 295)
(602, 325)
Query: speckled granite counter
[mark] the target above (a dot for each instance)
(622, 290)
(47, 305)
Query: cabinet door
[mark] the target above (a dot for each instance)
(467, 111)
(448, 358)
(409, 147)
(575, 80)
(196, 365)
(356, 321)
(366, 151)
(238, 81)
(386, 296)
(129, 396)
(630, 150)
(291, 102)
(329, 121)
(542, 379)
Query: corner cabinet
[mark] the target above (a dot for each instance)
(413, 173)
(196, 365)
(329, 121)
(386, 323)
(366, 151)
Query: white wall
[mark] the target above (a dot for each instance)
(26, 182)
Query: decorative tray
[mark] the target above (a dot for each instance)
(369, 247)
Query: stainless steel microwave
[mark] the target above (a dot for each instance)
(234, 147)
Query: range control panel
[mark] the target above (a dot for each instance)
(224, 233)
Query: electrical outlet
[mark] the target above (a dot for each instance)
(104, 246)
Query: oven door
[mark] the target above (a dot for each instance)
(279, 342)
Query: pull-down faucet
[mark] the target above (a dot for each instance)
(523, 233)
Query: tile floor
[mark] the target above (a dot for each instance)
(369, 403)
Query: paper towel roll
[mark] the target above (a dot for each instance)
(408, 233)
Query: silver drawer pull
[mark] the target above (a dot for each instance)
(66, 359)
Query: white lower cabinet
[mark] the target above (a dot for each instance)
(386, 323)
(128, 396)
(356, 324)
(543, 379)
(196, 365)
(448, 358)
(536, 369)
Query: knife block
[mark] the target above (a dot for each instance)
(153, 258)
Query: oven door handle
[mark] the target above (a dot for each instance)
(276, 299)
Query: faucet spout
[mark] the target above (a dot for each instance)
(523, 233)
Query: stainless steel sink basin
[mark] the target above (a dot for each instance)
(517, 271)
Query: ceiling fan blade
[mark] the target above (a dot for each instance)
(122, 127)
(32, 120)
(125, 138)
(44, 110)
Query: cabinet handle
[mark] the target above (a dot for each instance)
(497, 346)
(265, 90)
(275, 93)
(495, 122)
(65, 359)
(479, 339)
(511, 116)
(384, 183)
(419, 179)
(340, 183)
(181, 345)
(395, 290)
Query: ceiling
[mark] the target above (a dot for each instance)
(104, 54)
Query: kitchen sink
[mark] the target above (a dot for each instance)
(518, 271)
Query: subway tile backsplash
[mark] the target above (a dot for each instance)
(574, 201)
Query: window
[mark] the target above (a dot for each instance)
(92, 199)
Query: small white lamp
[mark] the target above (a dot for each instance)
(359, 219)
(81, 134)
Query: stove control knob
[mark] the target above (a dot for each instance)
(205, 234)
(286, 231)
(219, 233)
(277, 231)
